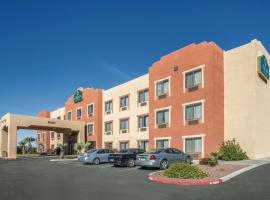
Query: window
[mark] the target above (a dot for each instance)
(124, 124)
(90, 129)
(69, 115)
(90, 110)
(108, 106)
(108, 145)
(143, 121)
(162, 117)
(124, 145)
(143, 145)
(162, 143)
(108, 127)
(58, 136)
(193, 145)
(162, 87)
(79, 113)
(38, 137)
(124, 101)
(143, 96)
(193, 112)
(193, 79)
(52, 135)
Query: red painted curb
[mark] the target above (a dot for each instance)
(181, 182)
(8, 158)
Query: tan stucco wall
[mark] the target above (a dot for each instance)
(131, 88)
(247, 100)
(60, 112)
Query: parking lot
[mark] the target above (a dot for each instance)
(38, 178)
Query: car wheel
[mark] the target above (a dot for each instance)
(164, 164)
(188, 160)
(96, 161)
(131, 163)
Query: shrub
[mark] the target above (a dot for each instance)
(213, 161)
(231, 150)
(185, 171)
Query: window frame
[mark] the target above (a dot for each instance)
(79, 108)
(70, 111)
(163, 138)
(143, 91)
(184, 105)
(105, 126)
(120, 120)
(161, 109)
(120, 100)
(93, 129)
(202, 136)
(169, 86)
(93, 110)
(111, 100)
(138, 118)
(191, 70)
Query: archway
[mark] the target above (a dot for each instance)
(11, 123)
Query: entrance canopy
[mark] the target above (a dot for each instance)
(11, 123)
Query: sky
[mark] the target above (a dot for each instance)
(50, 48)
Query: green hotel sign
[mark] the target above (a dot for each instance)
(78, 96)
(263, 68)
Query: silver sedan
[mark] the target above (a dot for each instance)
(162, 158)
(95, 156)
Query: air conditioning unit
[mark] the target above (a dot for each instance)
(108, 133)
(108, 112)
(143, 103)
(193, 122)
(162, 125)
(194, 88)
(124, 108)
(162, 96)
(143, 129)
(124, 131)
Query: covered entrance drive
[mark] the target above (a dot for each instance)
(11, 123)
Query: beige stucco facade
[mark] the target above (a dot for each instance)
(11, 123)
(130, 88)
(56, 140)
(247, 100)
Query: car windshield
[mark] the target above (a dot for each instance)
(155, 151)
(124, 151)
(92, 151)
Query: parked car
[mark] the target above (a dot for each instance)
(125, 157)
(162, 158)
(95, 156)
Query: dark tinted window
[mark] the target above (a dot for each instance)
(102, 151)
(155, 151)
(176, 151)
(92, 151)
(168, 151)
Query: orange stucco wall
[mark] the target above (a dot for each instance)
(46, 143)
(210, 55)
(90, 95)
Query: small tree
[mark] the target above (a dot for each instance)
(78, 147)
(62, 147)
(29, 141)
(22, 146)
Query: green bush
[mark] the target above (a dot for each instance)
(213, 161)
(185, 171)
(204, 161)
(231, 150)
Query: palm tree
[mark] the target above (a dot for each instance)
(29, 141)
(22, 146)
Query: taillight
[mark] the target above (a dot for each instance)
(152, 157)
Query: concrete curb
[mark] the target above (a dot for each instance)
(153, 178)
(59, 160)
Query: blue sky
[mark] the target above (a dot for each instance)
(49, 48)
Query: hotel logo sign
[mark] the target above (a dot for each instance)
(78, 96)
(263, 68)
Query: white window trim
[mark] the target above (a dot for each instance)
(70, 111)
(110, 121)
(106, 101)
(190, 103)
(53, 135)
(190, 70)
(194, 136)
(162, 138)
(93, 128)
(138, 118)
(77, 112)
(166, 78)
(93, 109)
(164, 108)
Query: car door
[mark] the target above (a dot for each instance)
(178, 155)
(101, 155)
(106, 155)
(169, 155)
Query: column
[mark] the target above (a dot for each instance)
(12, 141)
(3, 141)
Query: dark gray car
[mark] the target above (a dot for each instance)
(162, 158)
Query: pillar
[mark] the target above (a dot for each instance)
(12, 142)
(3, 141)
(81, 135)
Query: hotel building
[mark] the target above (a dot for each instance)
(193, 99)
